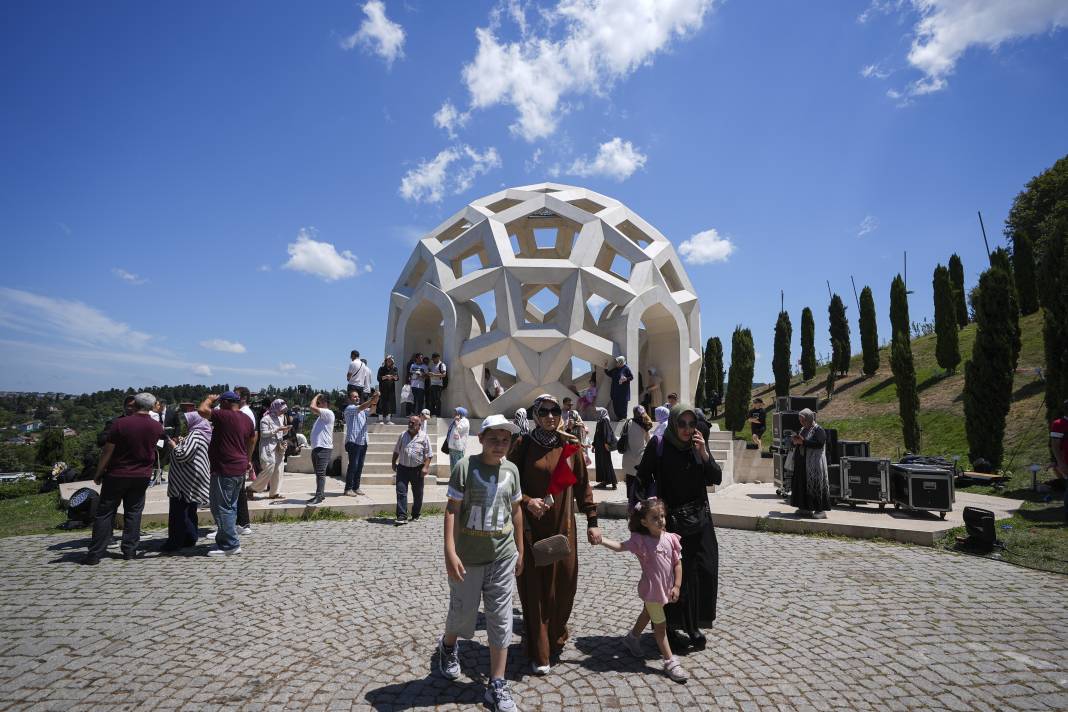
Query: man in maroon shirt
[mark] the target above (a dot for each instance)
(233, 439)
(123, 471)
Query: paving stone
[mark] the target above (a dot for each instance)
(344, 615)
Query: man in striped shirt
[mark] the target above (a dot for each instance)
(411, 461)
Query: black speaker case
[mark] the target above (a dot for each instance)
(785, 422)
(865, 479)
(922, 488)
(782, 477)
(834, 478)
(854, 448)
(799, 403)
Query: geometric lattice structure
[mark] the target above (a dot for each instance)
(537, 283)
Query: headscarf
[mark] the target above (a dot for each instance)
(641, 418)
(461, 411)
(198, 424)
(621, 360)
(546, 438)
(672, 432)
(602, 414)
(662, 414)
(277, 407)
(520, 420)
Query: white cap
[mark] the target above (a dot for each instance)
(498, 422)
(426, 412)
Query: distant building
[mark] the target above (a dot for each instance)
(69, 432)
(31, 427)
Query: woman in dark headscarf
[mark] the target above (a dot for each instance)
(604, 441)
(811, 489)
(520, 421)
(187, 482)
(682, 467)
(548, 592)
(387, 386)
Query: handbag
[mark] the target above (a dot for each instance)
(621, 444)
(689, 518)
(553, 548)
(445, 442)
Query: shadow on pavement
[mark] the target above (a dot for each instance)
(606, 653)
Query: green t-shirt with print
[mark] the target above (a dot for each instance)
(484, 531)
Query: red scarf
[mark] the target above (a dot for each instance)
(563, 476)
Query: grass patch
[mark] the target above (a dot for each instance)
(1035, 537)
(942, 433)
(323, 514)
(31, 513)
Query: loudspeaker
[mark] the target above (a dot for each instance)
(830, 449)
(980, 526)
(799, 403)
(82, 505)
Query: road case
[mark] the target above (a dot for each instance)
(865, 479)
(924, 488)
(854, 448)
(783, 477)
(795, 404)
(785, 422)
(834, 477)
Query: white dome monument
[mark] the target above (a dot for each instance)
(539, 284)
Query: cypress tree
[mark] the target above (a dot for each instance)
(839, 328)
(1023, 266)
(808, 344)
(699, 400)
(831, 377)
(956, 275)
(901, 364)
(780, 362)
(947, 350)
(988, 374)
(714, 374)
(1053, 268)
(739, 380)
(869, 332)
(999, 259)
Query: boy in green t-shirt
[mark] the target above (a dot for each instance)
(483, 554)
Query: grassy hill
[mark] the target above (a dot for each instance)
(865, 408)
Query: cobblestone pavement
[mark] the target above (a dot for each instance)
(340, 615)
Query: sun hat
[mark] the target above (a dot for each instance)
(498, 422)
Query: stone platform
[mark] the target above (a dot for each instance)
(751, 506)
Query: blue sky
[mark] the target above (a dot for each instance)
(164, 163)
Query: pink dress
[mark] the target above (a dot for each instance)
(658, 558)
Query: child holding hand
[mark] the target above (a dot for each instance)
(660, 555)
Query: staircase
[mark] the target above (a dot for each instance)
(720, 445)
(381, 439)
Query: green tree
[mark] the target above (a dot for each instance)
(869, 332)
(1023, 267)
(947, 349)
(956, 275)
(839, 328)
(699, 394)
(832, 376)
(739, 380)
(999, 259)
(902, 366)
(1053, 286)
(808, 344)
(49, 450)
(988, 374)
(780, 362)
(714, 374)
(1043, 196)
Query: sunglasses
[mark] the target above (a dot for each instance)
(546, 412)
(688, 424)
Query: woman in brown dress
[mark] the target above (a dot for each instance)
(548, 592)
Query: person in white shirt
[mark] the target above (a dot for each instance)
(358, 376)
(459, 429)
(322, 442)
(417, 373)
(438, 374)
(411, 461)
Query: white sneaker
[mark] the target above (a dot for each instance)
(673, 669)
(243, 531)
(210, 535)
(224, 552)
(540, 669)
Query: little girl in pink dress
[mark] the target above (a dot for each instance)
(660, 555)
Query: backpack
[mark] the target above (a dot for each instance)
(624, 442)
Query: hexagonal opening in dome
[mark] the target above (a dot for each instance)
(486, 305)
(636, 235)
(595, 307)
(539, 303)
(588, 205)
(543, 236)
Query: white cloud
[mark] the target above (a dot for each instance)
(601, 42)
(319, 258)
(874, 70)
(70, 320)
(946, 29)
(448, 117)
(705, 248)
(287, 367)
(431, 180)
(202, 370)
(230, 347)
(533, 162)
(378, 33)
(128, 277)
(616, 159)
(868, 225)
(263, 268)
